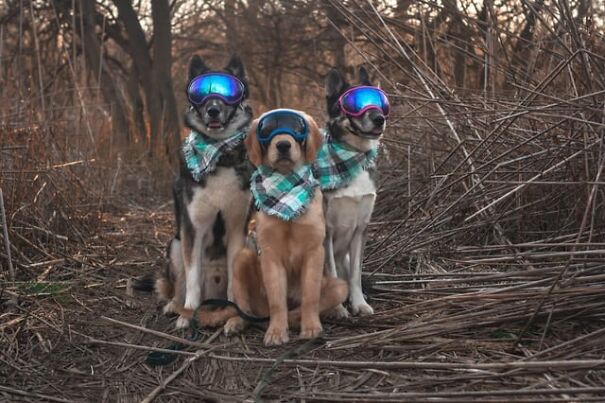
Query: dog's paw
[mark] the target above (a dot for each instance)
(182, 323)
(362, 309)
(275, 336)
(234, 326)
(311, 331)
(340, 312)
(169, 308)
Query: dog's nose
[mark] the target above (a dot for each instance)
(283, 146)
(378, 120)
(213, 111)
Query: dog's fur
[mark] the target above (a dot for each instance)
(348, 210)
(286, 280)
(210, 214)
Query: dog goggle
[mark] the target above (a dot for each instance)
(355, 101)
(226, 87)
(281, 121)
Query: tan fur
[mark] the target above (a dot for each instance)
(289, 270)
(164, 288)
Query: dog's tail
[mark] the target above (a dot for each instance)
(144, 283)
(164, 284)
(215, 318)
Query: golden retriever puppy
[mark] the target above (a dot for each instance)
(284, 277)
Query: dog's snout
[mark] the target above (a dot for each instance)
(283, 146)
(378, 120)
(214, 111)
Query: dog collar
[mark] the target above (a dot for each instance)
(283, 196)
(202, 153)
(337, 163)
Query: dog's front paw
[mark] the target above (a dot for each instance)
(182, 322)
(275, 336)
(310, 331)
(169, 308)
(362, 309)
(234, 326)
(340, 312)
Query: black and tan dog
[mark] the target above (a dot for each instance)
(210, 207)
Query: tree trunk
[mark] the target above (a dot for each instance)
(141, 58)
(137, 105)
(336, 39)
(121, 129)
(162, 75)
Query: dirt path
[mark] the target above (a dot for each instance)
(435, 336)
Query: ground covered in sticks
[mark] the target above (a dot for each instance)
(451, 327)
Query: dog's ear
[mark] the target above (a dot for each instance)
(197, 67)
(335, 83)
(314, 140)
(236, 67)
(364, 77)
(255, 153)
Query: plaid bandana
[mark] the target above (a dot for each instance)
(202, 153)
(284, 196)
(338, 164)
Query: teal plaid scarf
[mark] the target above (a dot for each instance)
(338, 164)
(284, 196)
(202, 153)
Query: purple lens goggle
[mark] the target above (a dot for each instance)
(225, 87)
(357, 100)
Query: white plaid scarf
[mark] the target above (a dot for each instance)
(284, 196)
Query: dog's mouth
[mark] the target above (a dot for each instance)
(373, 134)
(284, 159)
(283, 164)
(215, 124)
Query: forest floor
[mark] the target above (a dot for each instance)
(444, 331)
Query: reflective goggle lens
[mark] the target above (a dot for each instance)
(281, 122)
(357, 100)
(224, 86)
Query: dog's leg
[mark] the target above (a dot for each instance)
(194, 272)
(358, 302)
(329, 247)
(236, 238)
(334, 292)
(312, 273)
(192, 243)
(339, 262)
(176, 275)
(276, 285)
(192, 254)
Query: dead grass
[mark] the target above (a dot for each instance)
(449, 332)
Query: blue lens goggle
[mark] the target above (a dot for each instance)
(281, 121)
(357, 100)
(224, 86)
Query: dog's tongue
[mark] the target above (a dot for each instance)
(215, 124)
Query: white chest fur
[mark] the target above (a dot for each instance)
(223, 192)
(352, 205)
(362, 185)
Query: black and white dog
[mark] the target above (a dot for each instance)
(348, 209)
(211, 209)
